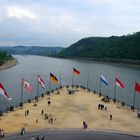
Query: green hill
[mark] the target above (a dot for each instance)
(105, 48)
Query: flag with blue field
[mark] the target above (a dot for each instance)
(103, 80)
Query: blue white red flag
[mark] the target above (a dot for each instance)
(103, 79)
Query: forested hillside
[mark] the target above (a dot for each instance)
(114, 47)
(4, 56)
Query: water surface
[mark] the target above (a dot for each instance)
(29, 66)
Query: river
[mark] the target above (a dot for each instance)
(29, 66)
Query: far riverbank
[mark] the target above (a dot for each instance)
(118, 62)
(8, 64)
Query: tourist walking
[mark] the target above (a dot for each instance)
(42, 112)
(32, 138)
(22, 131)
(110, 117)
(84, 125)
(27, 112)
(2, 133)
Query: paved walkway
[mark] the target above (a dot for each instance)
(73, 135)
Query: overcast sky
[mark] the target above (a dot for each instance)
(63, 22)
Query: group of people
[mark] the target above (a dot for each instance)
(71, 91)
(51, 119)
(2, 134)
(26, 112)
(38, 138)
(102, 107)
(106, 99)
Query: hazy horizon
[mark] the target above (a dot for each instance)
(62, 23)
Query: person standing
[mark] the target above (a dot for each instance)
(110, 117)
(42, 112)
(2, 133)
(37, 138)
(42, 137)
(32, 138)
(27, 112)
(22, 131)
(84, 125)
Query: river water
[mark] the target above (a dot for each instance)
(29, 66)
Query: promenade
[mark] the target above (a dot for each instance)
(69, 111)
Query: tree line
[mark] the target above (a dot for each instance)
(4, 56)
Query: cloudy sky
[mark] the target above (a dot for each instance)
(63, 22)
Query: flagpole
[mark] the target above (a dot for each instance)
(37, 87)
(92, 82)
(21, 92)
(49, 85)
(87, 79)
(115, 92)
(60, 80)
(100, 85)
(134, 98)
(72, 79)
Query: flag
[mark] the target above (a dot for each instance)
(41, 81)
(76, 72)
(119, 83)
(102, 79)
(3, 92)
(27, 86)
(53, 78)
(137, 87)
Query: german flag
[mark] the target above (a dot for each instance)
(53, 78)
(76, 72)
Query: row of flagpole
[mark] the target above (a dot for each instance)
(28, 87)
(120, 84)
(103, 80)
